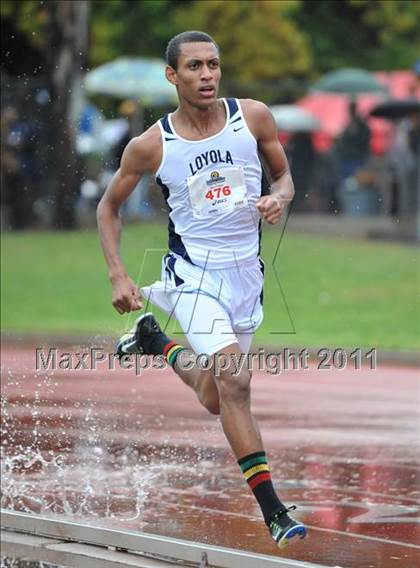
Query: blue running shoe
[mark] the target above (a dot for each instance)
(284, 529)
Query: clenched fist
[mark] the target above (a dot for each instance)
(271, 207)
(126, 296)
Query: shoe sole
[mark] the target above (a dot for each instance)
(297, 532)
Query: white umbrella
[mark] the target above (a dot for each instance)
(291, 118)
(138, 78)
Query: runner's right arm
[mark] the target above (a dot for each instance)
(141, 155)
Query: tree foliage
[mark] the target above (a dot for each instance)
(23, 36)
(124, 27)
(28, 16)
(396, 26)
(258, 39)
(371, 34)
(261, 40)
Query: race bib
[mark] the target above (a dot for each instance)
(216, 192)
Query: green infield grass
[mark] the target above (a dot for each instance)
(319, 291)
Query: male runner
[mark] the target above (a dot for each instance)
(205, 157)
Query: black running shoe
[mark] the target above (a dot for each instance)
(284, 529)
(145, 337)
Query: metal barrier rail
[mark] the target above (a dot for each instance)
(85, 546)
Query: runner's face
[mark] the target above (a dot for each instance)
(198, 74)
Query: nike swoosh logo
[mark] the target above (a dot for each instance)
(236, 129)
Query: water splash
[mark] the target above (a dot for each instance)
(63, 457)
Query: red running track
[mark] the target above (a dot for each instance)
(118, 450)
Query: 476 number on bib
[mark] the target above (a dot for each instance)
(216, 191)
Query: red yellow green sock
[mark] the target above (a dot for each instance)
(171, 352)
(257, 474)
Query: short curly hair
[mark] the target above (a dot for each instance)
(173, 49)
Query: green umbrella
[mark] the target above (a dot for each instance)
(349, 82)
(137, 78)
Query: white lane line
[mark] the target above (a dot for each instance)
(314, 485)
(312, 527)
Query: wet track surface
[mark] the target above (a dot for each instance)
(113, 449)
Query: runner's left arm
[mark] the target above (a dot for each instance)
(264, 128)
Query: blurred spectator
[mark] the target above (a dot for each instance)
(326, 181)
(138, 204)
(414, 136)
(128, 110)
(412, 201)
(10, 168)
(18, 169)
(352, 147)
(301, 155)
(404, 158)
(88, 118)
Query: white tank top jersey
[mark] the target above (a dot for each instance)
(211, 187)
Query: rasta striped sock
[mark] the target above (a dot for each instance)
(257, 474)
(171, 352)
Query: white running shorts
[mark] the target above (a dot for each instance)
(214, 308)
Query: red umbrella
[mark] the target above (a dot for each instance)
(332, 111)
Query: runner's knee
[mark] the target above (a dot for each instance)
(234, 386)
